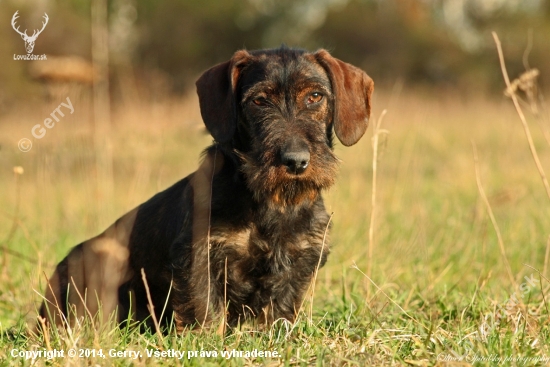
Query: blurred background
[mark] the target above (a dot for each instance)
(128, 68)
(159, 47)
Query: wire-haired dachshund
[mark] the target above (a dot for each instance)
(242, 236)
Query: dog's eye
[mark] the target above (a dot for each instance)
(260, 101)
(314, 98)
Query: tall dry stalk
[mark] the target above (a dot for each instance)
(493, 219)
(17, 171)
(208, 236)
(375, 140)
(546, 257)
(314, 278)
(151, 308)
(511, 92)
(102, 111)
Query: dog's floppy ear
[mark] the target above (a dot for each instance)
(216, 90)
(352, 89)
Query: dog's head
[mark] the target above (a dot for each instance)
(276, 109)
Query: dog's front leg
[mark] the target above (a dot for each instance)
(86, 282)
(203, 300)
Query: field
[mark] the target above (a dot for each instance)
(438, 291)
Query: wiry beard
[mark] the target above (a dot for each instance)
(272, 184)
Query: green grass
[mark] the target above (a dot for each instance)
(438, 272)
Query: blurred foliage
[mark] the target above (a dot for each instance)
(418, 42)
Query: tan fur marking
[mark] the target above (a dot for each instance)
(236, 239)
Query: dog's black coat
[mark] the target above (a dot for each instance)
(260, 211)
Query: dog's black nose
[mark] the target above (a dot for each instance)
(295, 156)
(296, 162)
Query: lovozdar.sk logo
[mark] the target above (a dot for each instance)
(29, 40)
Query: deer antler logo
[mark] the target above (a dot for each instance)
(29, 40)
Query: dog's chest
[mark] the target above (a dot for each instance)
(250, 261)
(263, 253)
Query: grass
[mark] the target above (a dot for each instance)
(440, 291)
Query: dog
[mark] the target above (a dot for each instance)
(242, 237)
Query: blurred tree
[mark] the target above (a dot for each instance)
(168, 43)
(419, 41)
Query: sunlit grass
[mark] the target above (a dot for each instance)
(437, 266)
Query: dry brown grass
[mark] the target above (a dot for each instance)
(436, 255)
